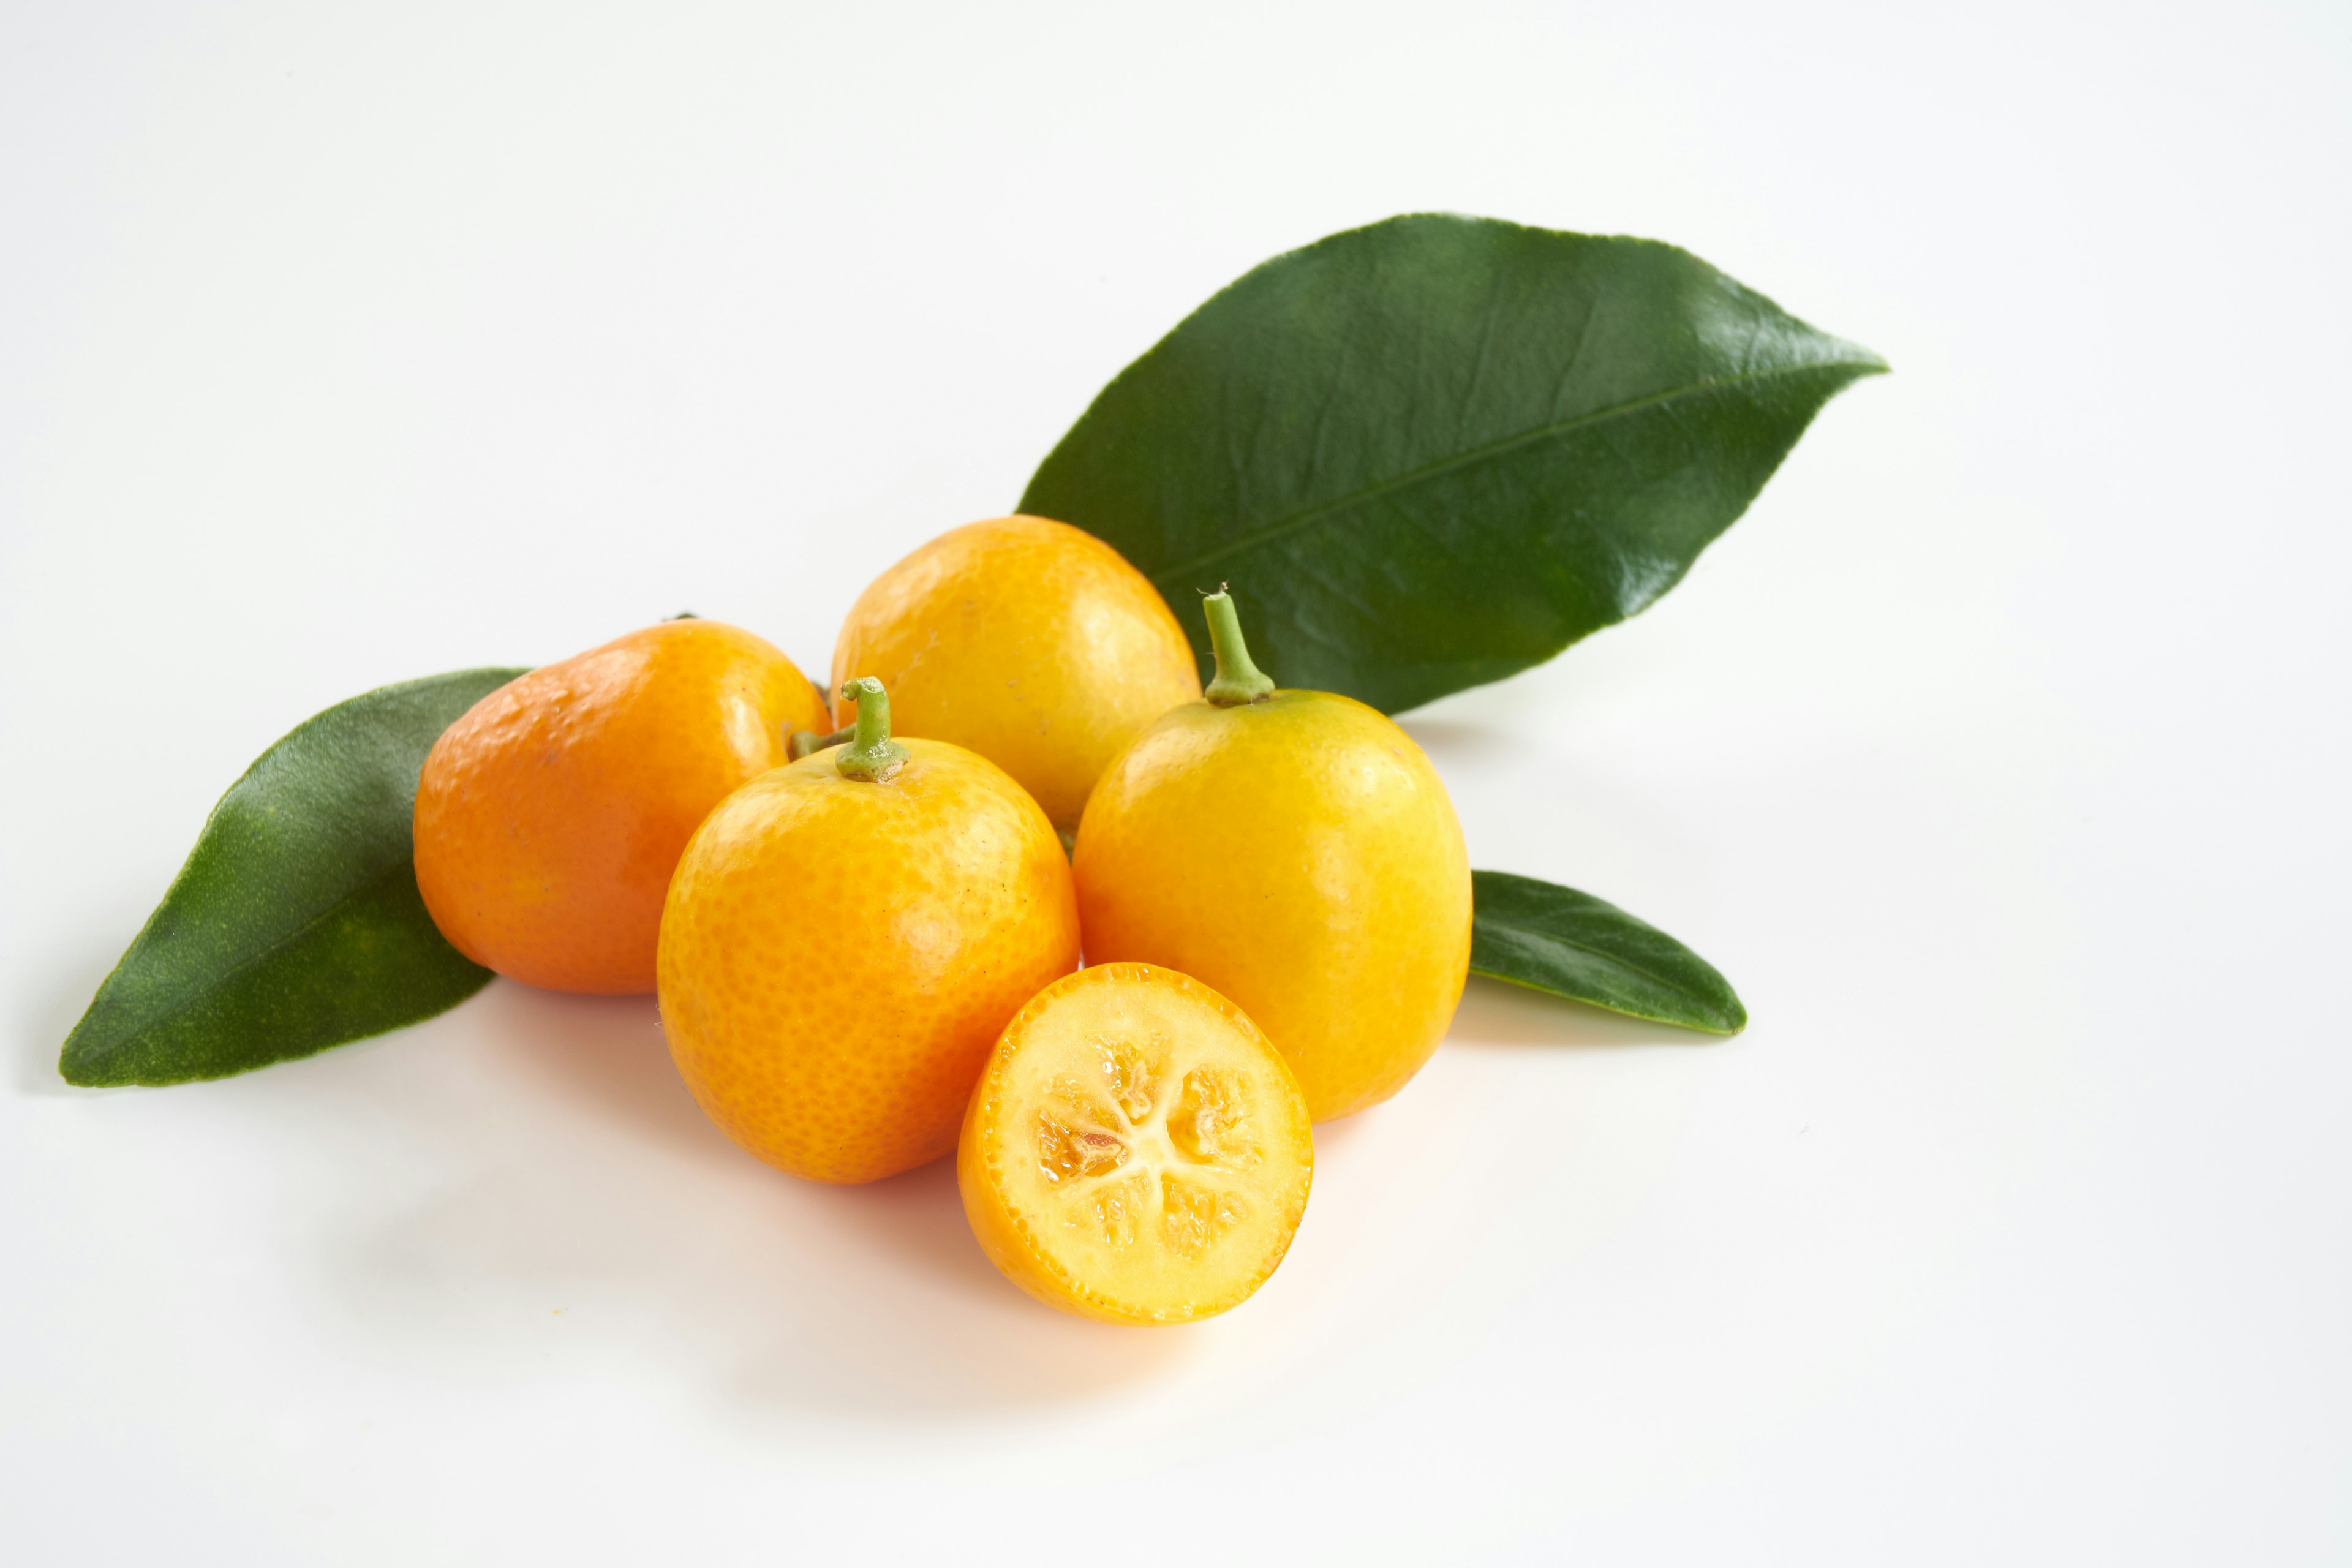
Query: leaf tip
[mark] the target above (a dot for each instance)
(86, 1066)
(1863, 361)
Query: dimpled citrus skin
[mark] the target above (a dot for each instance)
(1026, 640)
(549, 816)
(1298, 853)
(837, 955)
(1135, 1150)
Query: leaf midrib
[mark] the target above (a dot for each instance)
(223, 977)
(1412, 477)
(1591, 952)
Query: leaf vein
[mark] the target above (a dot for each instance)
(1313, 514)
(203, 990)
(1615, 960)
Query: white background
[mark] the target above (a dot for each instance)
(1998, 756)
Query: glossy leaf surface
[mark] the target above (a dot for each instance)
(1571, 944)
(296, 923)
(1433, 452)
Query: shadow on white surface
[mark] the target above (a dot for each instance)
(604, 1055)
(524, 1189)
(1461, 742)
(608, 1218)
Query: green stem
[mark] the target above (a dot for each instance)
(807, 742)
(1238, 681)
(871, 755)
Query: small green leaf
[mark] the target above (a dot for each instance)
(1554, 939)
(296, 923)
(1431, 453)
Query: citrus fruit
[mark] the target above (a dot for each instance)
(1298, 852)
(1135, 1150)
(549, 817)
(844, 941)
(1026, 640)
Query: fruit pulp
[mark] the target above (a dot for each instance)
(1137, 1149)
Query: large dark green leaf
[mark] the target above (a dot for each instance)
(296, 923)
(1572, 945)
(1433, 452)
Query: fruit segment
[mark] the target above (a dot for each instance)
(1137, 1149)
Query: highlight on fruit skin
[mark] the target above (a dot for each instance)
(844, 939)
(1296, 851)
(549, 816)
(1029, 641)
(1136, 1151)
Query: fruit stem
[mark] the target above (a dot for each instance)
(806, 743)
(1238, 681)
(871, 755)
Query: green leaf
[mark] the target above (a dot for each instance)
(1431, 453)
(296, 923)
(1554, 939)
